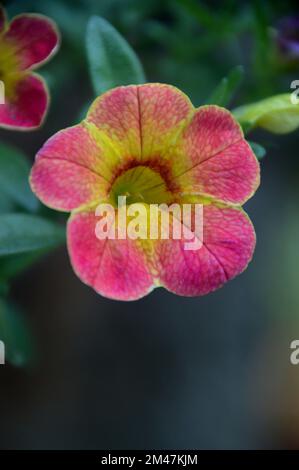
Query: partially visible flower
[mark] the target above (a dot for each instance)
(149, 143)
(25, 43)
(288, 37)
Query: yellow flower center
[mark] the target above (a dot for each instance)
(141, 184)
(10, 73)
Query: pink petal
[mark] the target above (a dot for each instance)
(164, 111)
(141, 121)
(35, 38)
(115, 115)
(67, 170)
(114, 268)
(29, 107)
(221, 163)
(228, 245)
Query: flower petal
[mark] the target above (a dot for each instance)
(219, 161)
(113, 118)
(67, 171)
(228, 245)
(141, 120)
(28, 108)
(114, 268)
(164, 111)
(35, 38)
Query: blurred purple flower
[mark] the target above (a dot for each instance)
(288, 36)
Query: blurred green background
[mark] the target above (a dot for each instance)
(165, 371)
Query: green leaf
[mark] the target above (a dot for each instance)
(14, 173)
(112, 61)
(276, 114)
(16, 336)
(21, 233)
(6, 204)
(258, 150)
(227, 87)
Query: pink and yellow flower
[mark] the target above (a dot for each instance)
(25, 43)
(150, 143)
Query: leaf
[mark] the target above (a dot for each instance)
(14, 173)
(257, 149)
(16, 336)
(276, 114)
(6, 204)
(20, 233)
(112, 61)
(227, 87)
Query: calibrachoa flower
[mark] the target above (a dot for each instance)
(149, 143)
(25, 43)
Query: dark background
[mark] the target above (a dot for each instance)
(166, 371)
